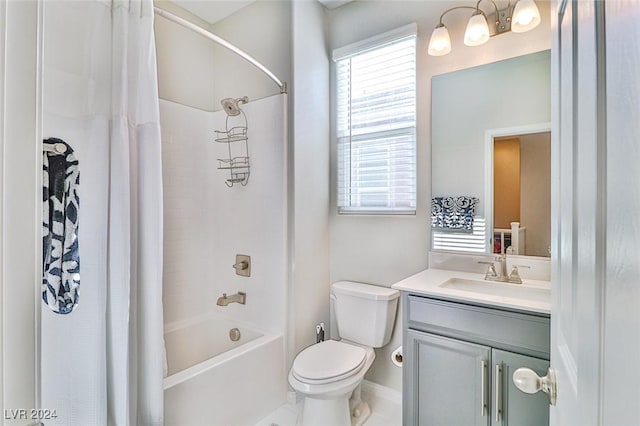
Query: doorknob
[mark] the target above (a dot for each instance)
(528, 381)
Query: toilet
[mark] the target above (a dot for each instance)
(329, 374)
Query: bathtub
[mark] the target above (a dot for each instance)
(212, 380)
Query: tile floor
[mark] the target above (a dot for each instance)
(384, 413)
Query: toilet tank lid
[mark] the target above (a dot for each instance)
(365, 291)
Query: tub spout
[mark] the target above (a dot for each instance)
(239, 297)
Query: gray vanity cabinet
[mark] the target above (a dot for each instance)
(459, 360)
(515, 407)
(449, 380)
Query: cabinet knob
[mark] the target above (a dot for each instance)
(528, 381)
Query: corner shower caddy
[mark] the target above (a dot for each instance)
(236, 137)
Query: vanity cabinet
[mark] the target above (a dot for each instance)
(447, 381)
(514, 406)
(459, 360)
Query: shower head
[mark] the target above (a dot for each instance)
(232, 106)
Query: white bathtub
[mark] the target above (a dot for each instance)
(213, 381)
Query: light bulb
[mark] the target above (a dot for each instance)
(525, 17)
(440, 43)
(477, 32)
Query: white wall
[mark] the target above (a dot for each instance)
(385, 249)
(186, 64)
(310, 275)
(20, 204)
(252, 219)
(290, 39)
(208, 223)
(263, 30)
(196, 72)
(187, 168)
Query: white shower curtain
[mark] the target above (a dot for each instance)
(103, 363)
(134, 300)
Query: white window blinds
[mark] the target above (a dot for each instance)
(376, 124)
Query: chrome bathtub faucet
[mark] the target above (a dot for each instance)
(239, 297)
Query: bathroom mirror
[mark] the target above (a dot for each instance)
(474, 110)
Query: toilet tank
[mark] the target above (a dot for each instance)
(365, 313)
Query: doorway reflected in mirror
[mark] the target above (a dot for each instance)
(522, 194)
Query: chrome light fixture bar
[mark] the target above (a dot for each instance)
(521, 17)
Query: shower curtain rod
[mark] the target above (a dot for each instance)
(222, 42)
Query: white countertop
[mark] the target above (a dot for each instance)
(428, 283)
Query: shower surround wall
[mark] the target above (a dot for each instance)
(290, 39)
(207, 223)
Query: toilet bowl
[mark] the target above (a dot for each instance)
(329, 374)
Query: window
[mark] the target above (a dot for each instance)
(452, 241)
(376, 124)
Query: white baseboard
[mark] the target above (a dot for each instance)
(383, 392)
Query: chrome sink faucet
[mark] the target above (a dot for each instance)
(503, 276)
(239, 297)
(503, 266)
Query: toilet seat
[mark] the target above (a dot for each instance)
(328, 362)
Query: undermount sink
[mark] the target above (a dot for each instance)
(516, 291)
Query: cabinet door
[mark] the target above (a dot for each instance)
(446, 381)
(511, 406)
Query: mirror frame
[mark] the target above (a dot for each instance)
(489, 136)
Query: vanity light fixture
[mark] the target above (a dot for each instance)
(520, 17)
